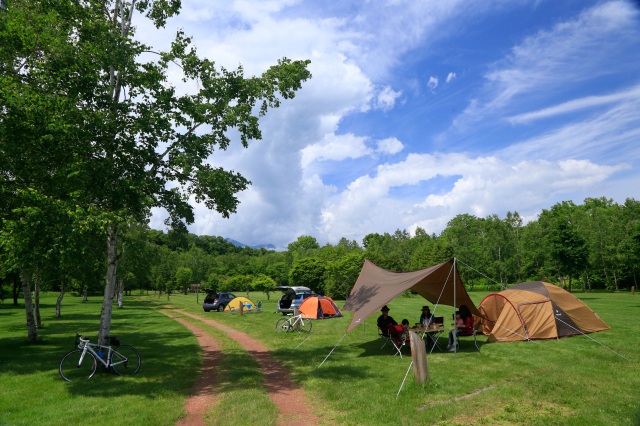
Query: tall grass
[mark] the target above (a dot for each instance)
(573, 381)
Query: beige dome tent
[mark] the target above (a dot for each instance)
(536, 310)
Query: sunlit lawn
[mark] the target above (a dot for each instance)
(580, 380)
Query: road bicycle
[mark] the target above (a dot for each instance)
(81, 363)
(295, 323)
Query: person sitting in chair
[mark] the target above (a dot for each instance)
(425, 317)
(385, 320)
(463, 326)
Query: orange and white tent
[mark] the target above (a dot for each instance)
(536, 310)
(319, 307)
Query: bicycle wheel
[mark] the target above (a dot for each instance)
(304, 325)
(283, 325)
(71, 369)
(125, 360)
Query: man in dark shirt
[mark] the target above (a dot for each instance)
(384, 320)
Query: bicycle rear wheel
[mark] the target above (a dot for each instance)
(125, 360)
(304, 326)
(283, 325)
(71, 369)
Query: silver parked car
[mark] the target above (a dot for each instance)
(292, 297)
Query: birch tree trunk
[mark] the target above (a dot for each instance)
(15, 290)
(120, 292)
(59, 300)
(32, 331)
(110, 286)
(36, 293)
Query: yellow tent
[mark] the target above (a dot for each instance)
(234, 305)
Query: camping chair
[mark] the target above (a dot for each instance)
(477, 328)
(384, 335)
(399, 338)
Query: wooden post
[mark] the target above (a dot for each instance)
(241, 308)
(296, 312)
(419, 356)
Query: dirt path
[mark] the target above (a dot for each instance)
(288, 397)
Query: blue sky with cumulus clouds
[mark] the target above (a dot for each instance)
(422, 110)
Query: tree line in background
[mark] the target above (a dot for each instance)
(591, 246)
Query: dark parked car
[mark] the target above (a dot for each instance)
(292, 297)
(216, 301)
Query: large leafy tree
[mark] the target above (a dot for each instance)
(89, 116)
(308, 272)
(568, 248)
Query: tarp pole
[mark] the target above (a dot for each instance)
(455, 306)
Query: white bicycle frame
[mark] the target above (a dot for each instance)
(105, 359)
(298, 320)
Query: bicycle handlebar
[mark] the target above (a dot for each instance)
(82, 338)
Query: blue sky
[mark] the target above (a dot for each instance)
(422, 110)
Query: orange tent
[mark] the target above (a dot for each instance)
(319, 307)
(536, 310)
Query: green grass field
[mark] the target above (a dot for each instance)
(573, 381)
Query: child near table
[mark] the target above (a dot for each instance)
(463, 325)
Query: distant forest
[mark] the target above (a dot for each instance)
(592, 246)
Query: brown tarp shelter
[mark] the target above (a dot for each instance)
(536, 310)
(375, 287)
(319, 307)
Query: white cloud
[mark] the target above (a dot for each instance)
(335, 147)
(619, 126)
(629, 94)
(432, 83)
(482, 186)
(571, 51)
(386, 98)
(355, 50)
(389, 146)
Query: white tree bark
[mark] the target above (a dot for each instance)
(109, 288)
(32, 332)
(36, 306)
(59, 300)
(120, 292)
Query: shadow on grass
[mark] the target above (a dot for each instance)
(156, 350)
(374, 347)
(168, 354)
